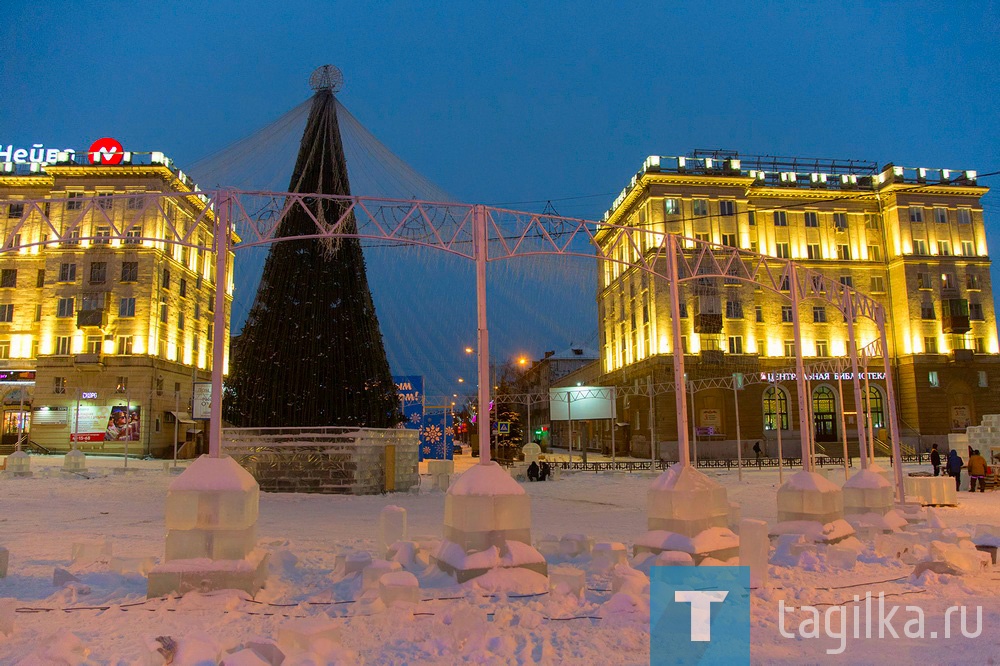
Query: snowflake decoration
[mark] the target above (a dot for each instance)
(415, 417)
(449, 431)
(432, 434)
(427, 450)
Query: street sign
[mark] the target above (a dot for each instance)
(503, 427)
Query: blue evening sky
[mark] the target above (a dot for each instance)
(517, 102)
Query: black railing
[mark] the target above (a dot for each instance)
(645, 465)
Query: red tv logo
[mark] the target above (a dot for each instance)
(106, 151)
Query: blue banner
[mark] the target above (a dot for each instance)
(410, 389)
(436, 437)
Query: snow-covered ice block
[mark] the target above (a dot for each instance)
(19, 464)
(631, 581)
(809, 496)
(355, 562)
(548, 545)
(391, 526)
(442, 482)
(435, 467)
(950, 558)
(755, 546)
(407, 555)
(303, 634)
(674, 558)
(685, 501)
(984, 535)
(7, 612)
(931, 490)
(206, 575)
(398, 587)
(485, 507)
(901, 546)
(607, 554)
(4, 561)
(85, 552)
(243, 657)
(374, 571)
(575, 545)
(840, 557)
(868, 492)
(567, 580)
(125, 565)
(75, 461)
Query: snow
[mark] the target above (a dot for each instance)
(485, 479)
(483, 621)
(214, 474)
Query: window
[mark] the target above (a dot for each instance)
(944, 248)
(159, 386)
(703, 237)
(840, 221)
(819, 314)
(163, 310)
(968, 250)
(948, 281)
(772, 408)
(812, 219)
(871, 221)
(758, 314)
(972, 281)
(784, 283)
(71, 237)
(932, 379)
(63, 345)
(133, 236)
(40, 279)
(979, 345)
(751, 218)
(786, 314)
(930, 345)
(735, 344)
(919, 246)
(727, 207)
(94, 344)
(180, 321)
(847, 281)
(976, 311)
(165, 282)
(211, 329)
(122, 385)
(125, 345)
(104, 200)
(753, 246)
(964, 216)
(134, 203)
(67, 272)
(916, 214)
(184, 288)
(729, 240)
(874, 253)
(14, 242)
(671, 207)
(102, 236)
(58, 384)
(8, 278)
(65, 307)
(38, 312)
(130, 271)
(734, 309)
(983, 379)
(6, 313)
(701, 207)
(844, 252)
(822, 348)
(927, 310)
(781, 250)
(924, 281)
(780, 219)
(15, 210)
(878, 284)
(875, 407)
(788, 347)
(98, 272)
(941, 215)
(75, 200)
(812, 251)
(126, 307)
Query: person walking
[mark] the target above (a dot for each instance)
(935, 460)
(955, 468)
(977, 472)
(533, 471)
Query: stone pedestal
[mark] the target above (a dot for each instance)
(868, 491)
(19, 464)
(487, 524)
(685, 501)
(811, 497)
(211, 531)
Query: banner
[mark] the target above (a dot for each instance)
(202, 407)
(116, 423)
(410, 389)
(436, 437)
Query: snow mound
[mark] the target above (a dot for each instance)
(218, 474)
(485, 479)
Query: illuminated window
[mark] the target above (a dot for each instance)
(964, 216)
(94, 344)
(786, 314)
(671, 207)
(812, 251)
(944, 248)
(772, 408)
(735, 344)
(788, 347)
(780, 219)
(930, 345)
(781, 250)
(14, 242)
(8, 278)
(844, 252)
(122, 385)
(919, 246)
(948, 281)
(822, 348)
(701, 207)
(874, 253)
(125, 345)
(840, 221)
(5, 349)
(916, 214)
(941, 215)
(727, 207)
(6, 313)
(924, 280)
(932, 379)
(126, 307)
(729, 240)
(64, 308)
(979, 345)
(877, 284)
(812, 219)
(968, 250)
(819, 314)
(58, 384)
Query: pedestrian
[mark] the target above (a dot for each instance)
(955, 468)
(935, 460)
(757, 450)
(533, 471)
(977, 471)
(545, 471)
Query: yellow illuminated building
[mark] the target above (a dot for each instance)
(97, 321)
(911, 238)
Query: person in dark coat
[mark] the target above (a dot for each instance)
(533, 471)
(955, 467)
(936, 460)
(546, 470)
(977, 472)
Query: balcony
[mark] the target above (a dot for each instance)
(955, 315)
(89, 361)
(712, 356)
(960, 355)
(708, 323)
(91, 318)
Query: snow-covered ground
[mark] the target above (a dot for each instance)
(113, 623)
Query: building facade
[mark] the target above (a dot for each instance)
(104, 326)
(912, 239)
